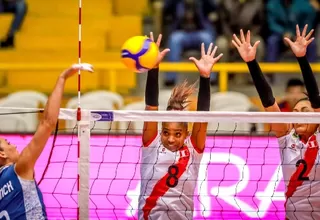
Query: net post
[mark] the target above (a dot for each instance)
(83, 164)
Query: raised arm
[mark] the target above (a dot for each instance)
(25, 165)
(204, 65)
(299, 48)
(150, 129)
(248, 54)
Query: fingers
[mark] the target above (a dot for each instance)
(83, 66)
(256, 44)
(297, 31)
(218, 57)
(194, 60)
(210, 52)
(236, 40)
(210, 49)
(202, 50)
(304, 32)
(235, 44)
(248, 37)
(214, 51)
(242, 36)
(159, 40)
(309, 34)
(151, 36)
(310, 41)
(288, 41)
(164, 52)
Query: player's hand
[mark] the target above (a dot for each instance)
(287, 35)
(207, 60)
(299, 47)
(243, 45)
(162, 53)
(75, 68)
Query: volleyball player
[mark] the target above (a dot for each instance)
(20, 196)
(299, 148)
(171, 158)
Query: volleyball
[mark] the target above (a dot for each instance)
(139, 54)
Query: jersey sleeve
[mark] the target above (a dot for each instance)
(318, 136)
(195, 151)
(148, 150)
(10, 170)
(191, 144)
(152, 141)
(283, 141)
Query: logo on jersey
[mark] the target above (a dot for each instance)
(293, 147)
(184, 153)
(313, 144)
(6, 189)
(163, 150)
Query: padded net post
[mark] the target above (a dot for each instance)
(83, 164)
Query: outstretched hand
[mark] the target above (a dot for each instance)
(207, 60)
(162, 53)
(246, 51)
(299, 47)
(75, 68)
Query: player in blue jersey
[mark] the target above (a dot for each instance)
(20, 197)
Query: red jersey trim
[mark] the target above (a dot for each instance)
(199, 151)
(150, 141)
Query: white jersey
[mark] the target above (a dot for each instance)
(304, 167)
(168, 181)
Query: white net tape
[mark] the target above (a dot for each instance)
(188, 116)
(182, 116)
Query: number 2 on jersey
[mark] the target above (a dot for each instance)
(304, 163)
(4, 214)
(172, 180)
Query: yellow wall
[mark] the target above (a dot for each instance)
(50, 35)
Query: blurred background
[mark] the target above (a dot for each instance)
(40, 38)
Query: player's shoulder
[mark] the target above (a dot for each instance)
(7, 168)
(154, 142)
(317, 134)
(188, 142)
(288, 138)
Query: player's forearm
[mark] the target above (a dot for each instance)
(52, 108)
(152, 88)
(310, 81)
(203, 103)
(263, 88)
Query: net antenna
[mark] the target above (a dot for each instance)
(83, 123)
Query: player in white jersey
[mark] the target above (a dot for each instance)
(20, 196)
(171, 158)
(299, 143)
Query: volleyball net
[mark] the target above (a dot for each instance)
(94, 164)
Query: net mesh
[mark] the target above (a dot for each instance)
(240, 174)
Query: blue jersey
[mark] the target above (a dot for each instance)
(19, 199)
